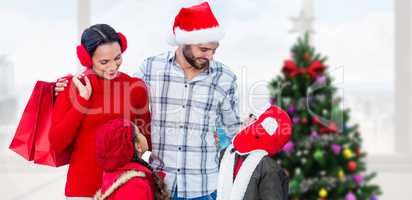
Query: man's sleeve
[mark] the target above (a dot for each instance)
(140, 73)
(229, 111)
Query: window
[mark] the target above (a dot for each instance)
(38, 43)
(358, 38)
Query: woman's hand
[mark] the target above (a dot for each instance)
(85, 91)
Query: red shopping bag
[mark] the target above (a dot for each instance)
(31, 138)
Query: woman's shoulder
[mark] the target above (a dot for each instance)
(133, 80)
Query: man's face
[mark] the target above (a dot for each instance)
(200, 55)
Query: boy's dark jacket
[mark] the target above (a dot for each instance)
(268, 182)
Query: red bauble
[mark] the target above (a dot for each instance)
(315, 120)
(352, 166)
(358, 152)
(304, 120)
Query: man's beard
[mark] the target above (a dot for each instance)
(187, 53)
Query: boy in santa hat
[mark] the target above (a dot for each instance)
(247, 171)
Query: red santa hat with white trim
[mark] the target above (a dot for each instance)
(196, 25)
(270, 132)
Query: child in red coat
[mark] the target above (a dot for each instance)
(119, 149)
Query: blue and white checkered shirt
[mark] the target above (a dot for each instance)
(185, 114)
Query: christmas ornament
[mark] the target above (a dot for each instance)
(358, 152)
(347, 153)
(321, 80)
(350, 196)
(352, 166)
(304, 120)
(273, 101)
(291, 109)
(358, 179)
(319, 155)
(374, 198)
(295, 120)
(336, 148)
(294, 185)
(314, 135)
(322, 173)
(323, 193)
(288, 148)
(306, 56)
(315, 120)
(341, 175)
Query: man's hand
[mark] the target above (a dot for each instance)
(60, 85)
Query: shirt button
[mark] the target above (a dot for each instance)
(178, 170)
(183, 106)
(180, 148)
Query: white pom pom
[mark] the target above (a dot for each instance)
(270, 125)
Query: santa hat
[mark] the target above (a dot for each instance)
(270, 132)
(114, 144)
(196, 25)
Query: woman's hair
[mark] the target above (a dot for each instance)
(97, 35)
(160, 192)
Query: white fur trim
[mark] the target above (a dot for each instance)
(225, 177)
(201, 36)
(190, 3)
(146, 156)
(236, 191)
(126, 176)
(270, 125)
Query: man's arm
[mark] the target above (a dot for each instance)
(229, 111)
(140, 73)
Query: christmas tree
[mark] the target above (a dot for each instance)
(324, 158)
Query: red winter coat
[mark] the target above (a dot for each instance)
(137, 188)
(75, 121)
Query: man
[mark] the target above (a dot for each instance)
(190, 95)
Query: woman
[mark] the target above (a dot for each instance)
(120, 148)
(100, 94)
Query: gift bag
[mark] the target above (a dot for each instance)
(31, 137)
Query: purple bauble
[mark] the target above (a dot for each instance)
(291, 109)
(321, 80)
(288, 147)
(273, 101)
(358, 179)
(350, 196)
(336, 148)
(295, 120)
(374, 198)
(314, 135)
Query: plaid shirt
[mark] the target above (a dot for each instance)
(185, 115)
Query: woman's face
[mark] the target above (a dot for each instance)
(107, 59)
